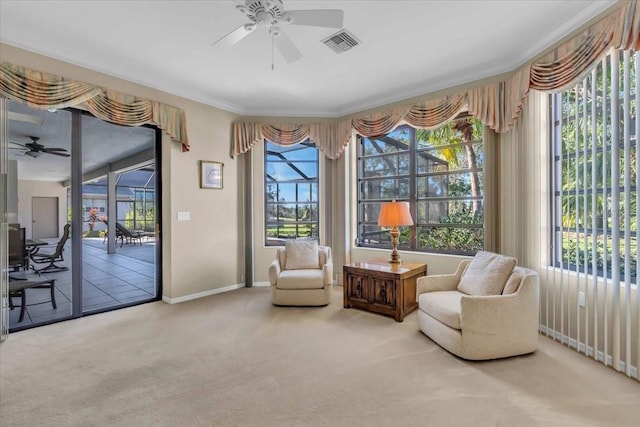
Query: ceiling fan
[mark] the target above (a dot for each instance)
(272, 15)
(35, 149)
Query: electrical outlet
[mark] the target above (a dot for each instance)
(581, 299)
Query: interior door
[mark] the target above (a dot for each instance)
(44, 217)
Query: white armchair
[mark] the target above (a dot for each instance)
(480, 326)
(302, 274)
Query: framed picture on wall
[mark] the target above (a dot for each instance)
(211, 174)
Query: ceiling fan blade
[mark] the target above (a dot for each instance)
(21, 146)
(331, 18)
(27, 118)
(54, 149)
(57, 153)
(235, 36)
(286, 47)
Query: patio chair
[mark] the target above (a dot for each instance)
(106, 233)
(18, 255)
(52, 258)
(130, 236)
(18, 289)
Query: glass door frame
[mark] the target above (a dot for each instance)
(76, 238)
(4, 230)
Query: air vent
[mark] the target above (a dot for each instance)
(341, 41)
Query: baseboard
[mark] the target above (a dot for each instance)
(587, 350)
(261, 284)
(268, 284)
(202, 294)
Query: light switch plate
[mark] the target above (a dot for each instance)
(184, 216)
(581, 299)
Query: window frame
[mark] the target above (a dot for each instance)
(413, 176)
(582, 191)
(314, 203)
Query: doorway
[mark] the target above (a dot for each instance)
(44, 217)
(102, 179)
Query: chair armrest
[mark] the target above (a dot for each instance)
(41, 255)
(512, 315)
(436, 282)
(274, 272)
(441, 282)
(327, 273)
(36, 249)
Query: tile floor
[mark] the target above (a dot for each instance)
(109, 280)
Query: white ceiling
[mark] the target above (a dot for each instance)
(409, 48)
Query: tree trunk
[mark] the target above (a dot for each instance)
(475, 180)
(465, 127)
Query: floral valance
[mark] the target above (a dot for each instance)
(497, 105)
(47, 91)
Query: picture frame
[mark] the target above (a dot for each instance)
(211, 174)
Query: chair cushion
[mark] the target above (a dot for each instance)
(513, 283)
(487, 274)
(300, 279)
(443, 306)
(302, 254)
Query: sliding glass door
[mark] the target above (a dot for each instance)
(39, 166)
(119, 222)
(101, 178)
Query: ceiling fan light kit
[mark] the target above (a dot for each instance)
(271, 14)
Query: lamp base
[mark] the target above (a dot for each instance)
(395, 256)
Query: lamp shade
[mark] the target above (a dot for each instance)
(394, 214)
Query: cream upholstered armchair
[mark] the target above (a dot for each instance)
(487, 309)
(302, 274)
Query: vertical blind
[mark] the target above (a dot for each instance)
(592, 297)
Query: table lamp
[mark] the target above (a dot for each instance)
(394, 214)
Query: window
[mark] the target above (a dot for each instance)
(595, 148)
(290, 192)
(439, 172)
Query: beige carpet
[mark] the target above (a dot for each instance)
(233, 359)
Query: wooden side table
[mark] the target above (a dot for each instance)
(381, 287)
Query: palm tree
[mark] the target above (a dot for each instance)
(457, 136)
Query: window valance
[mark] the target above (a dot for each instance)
(565, 65)
(330, 138)
(497, 105)
(48, 91)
